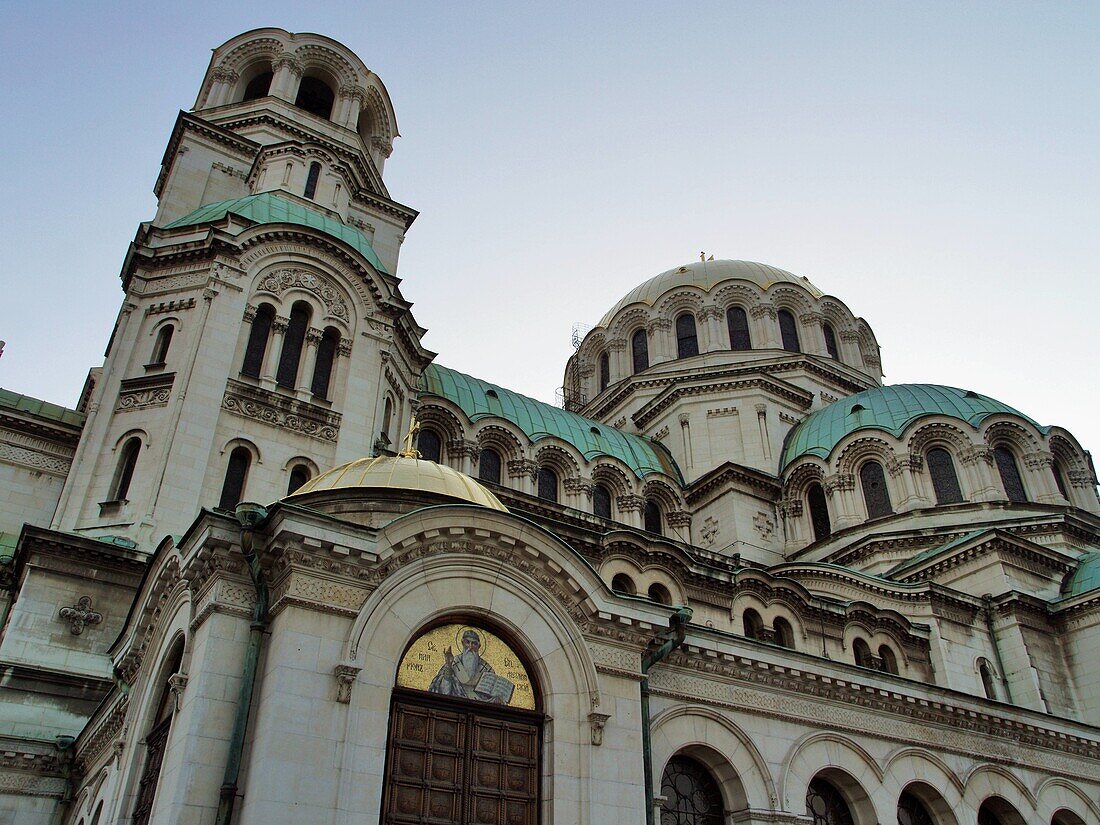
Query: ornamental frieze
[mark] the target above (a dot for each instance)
(34, 460)
(288, 414)
(282, 280)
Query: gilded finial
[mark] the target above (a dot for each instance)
(410, 451)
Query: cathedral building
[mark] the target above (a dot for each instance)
(282, 565)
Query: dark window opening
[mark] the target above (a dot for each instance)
(691, 795)
(160, 347)
(295, 337)
(889, 660)
(825, 804)
(298, 476)
(651, 518)
(1060, 480)
(738, 322)
(605, 371)
(911, 811)
(156, 741)
(259, 86)
(622, 583)
(430, 446)
(257, 341)
(753, 624)
(124, 474)
(660, 593)
(314, 95)
(1010, 474)
(601, 501)
(945, 481)
(788, 331)
(687, 341)
(784, 633)
(311, 180)
(861, 652)
(639, 350)
(488, 466)
(236, 472)
(819, 512)
(326, 357)
(875, 494)
(386, 436)
(830, 341)
(986, 674)
(547, 484)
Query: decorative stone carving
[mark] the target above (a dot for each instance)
(314, 335)
(346, 674)
(763, 524)
(281, 280)
(249, 313)
(177, 683)
(344, 348)
(596, 723)
(679, 518)
(280, 324)
(80, 615)
(839, 481)
(790, 507)
(281, 411)
(34, 459)
(520, 467)
(147, 391)
(170, 306)
(976, 454)
(661, 433)
(630, 502)
(1039, 460)
(764, 311)
(710, 531)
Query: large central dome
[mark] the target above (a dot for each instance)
(705, 275)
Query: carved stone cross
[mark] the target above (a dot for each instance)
(80, 615)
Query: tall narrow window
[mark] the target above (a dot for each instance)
(875, 494)
(236, 472)
(622, 583)
(651, 517)
(691, 796)
(314, 95)
(985, 672)
(311, 180)
(659, 593)
(257, 341)
(861, 652)
(944, 480)
(488, 465)
(258, 86)
(124, 473)
(295, 336)
(889, 660)
(605, 371)
(547, 484)
(753, 624)
(1010, 474)
(830, 341)
(430, 445)
(738, 322)
(322, 368)
(687, 342)
(386, 435)
(1060, 480)
(788, 331)
(299, 475)
(819, 512)
(639, 350)
(155, 742)
(784, 634)
(160, 347)
(601, 501)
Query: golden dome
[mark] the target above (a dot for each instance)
(399, 473)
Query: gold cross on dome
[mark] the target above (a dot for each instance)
(410, 451)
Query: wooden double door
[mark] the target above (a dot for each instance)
(453, 762)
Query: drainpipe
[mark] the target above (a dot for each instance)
(249, 515)
(64, 745)
(658, 649)
(987, 610)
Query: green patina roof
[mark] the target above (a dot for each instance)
(1085, 578)
(539, 420)
(268, 207)
(8, 543)
(55, 412)
(891, 408)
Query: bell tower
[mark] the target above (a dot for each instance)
(263, 336)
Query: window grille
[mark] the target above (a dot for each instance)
(488, 466)
(1010, 474)
(639, 350)
(945, 482)
(687, 341)
(692, 797)
(788, 331)
(738, 322)
(875, 494)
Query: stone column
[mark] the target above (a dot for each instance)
(313, 341)
(841, 488)
(463, 455)
(985, 483)
(679, 523)
(286, 73)
(523, 473)
(620, 366)
(629, 509)
(790, 510)
(224, 81)
(1039, 469)
(578, 493)
(713, 339)
(658, 331)
(274, 349)
(902, 470)
(349, 101)
(848, 344)
(812, 335)
(765, 326)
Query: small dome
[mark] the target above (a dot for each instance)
(890, 408)
(399, 473)
(1085, 577)
(705, 275)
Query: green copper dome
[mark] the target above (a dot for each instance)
(893, 409)
(1085, 578)
(267, 207)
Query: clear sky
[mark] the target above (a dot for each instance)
(934, 166)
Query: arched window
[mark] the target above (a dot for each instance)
(944, 480)
(995, 811)
(98, 813)
(299, 475)
(124, 472)
(788, 331)
(861, 652)
(259, 86)
(161, 345)
(605, 370)
(488, 465)
(322, 368)
(639, 350)
(659, 593)
(311, 180)
(236, 473)
(156, 740)
(784, 633)
(430, 445)
(875, 494)
(1060, 480)
(547, 484)
(819, 512)
(825, 804)
(622, 583)
(1010, 474)
(753, 624)
(911, 811)
(385, 435)
(601, 501)
(651, 517)
(889, 660)
(692, 797)
(314, 95)
(257, 341)
(295, 336)
(985, 672)
(830, 341)
(687, 342)
(738, 322)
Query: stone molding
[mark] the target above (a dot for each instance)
(34, 459)
(144, 392)
(106, 731)
(282, 280)
(280, 411)
(181, 305)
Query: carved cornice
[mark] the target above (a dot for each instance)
(100, 734)
(144, 392)
(277, 410)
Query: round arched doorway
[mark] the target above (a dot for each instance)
(465, 737)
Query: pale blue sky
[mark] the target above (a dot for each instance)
(932, 165)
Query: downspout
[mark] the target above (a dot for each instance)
(64, 745)
(987, 611)
(658, 649)
(249, 515)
